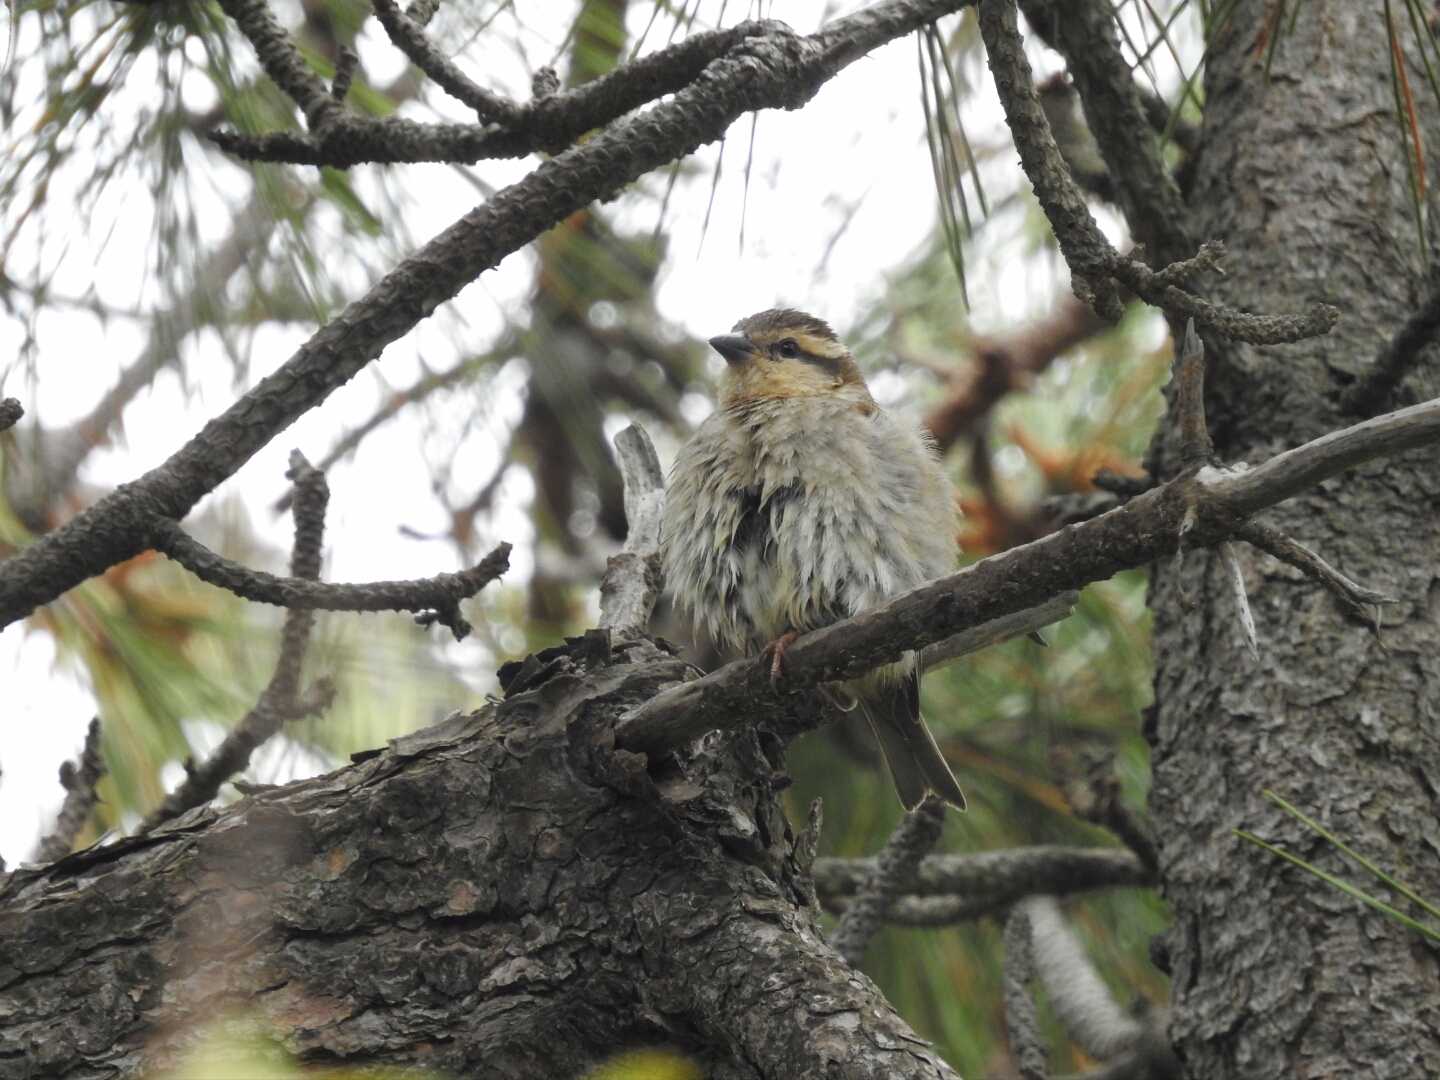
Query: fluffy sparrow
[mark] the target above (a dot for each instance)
(798, 502)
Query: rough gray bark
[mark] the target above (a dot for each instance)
(1275, 973)
(503, 895)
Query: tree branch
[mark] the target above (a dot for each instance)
(633, 578)
(279, 701)
(1022, 1024)
(1394, 361)
(472, 849)
(1095, 266)
(409, 37)
(1145, 528)
(438, 593)
(1083, 32)
(778, 70)
(79, 779)
(996, 878)
(893, 874)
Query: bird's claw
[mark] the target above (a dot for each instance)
(774, 654)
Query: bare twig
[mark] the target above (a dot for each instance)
(1083, 31)
(549, 122)
(79, 779)
(1245, 491)
(1196, 448)
(1358, 599)
(280, 700)
(894, 873)
(1393, 362)
(994, 878)
(1096, 798)
(345, 64)
(1206, 506)
(1235, 574)
(438, 593)
(1021, 1023)
(409, 38)
(633, 578)
(1095, 266)
(282, 61)
(1025, 623)
(10, 413)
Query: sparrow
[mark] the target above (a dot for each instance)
(799, 502)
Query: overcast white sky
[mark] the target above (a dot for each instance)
(859, 144)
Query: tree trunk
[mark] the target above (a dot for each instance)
(1276, 973)
(502, 894)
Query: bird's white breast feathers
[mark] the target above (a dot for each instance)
(789, 514)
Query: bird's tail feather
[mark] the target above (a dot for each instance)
(915, 761)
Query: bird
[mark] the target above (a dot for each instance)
(800, 501)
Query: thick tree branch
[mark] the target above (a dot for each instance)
(778, 70)
(1247, 490)
(1206, 506)
(551, 904)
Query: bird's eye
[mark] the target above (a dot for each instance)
(788, 348)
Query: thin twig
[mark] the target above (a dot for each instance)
(1096, 798)
(1196, 447)
(1095, 266)
(435, 594)
(1025, 623)
(79, 779)
(633, 578)
(894, 872)
(1021, 1023)
(345, 64)
(1083, 31)
(280, 700)
(1358, 599)
(1236, 576)
(410, 39)
(995, 878)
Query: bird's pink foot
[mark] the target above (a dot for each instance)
(774, 653)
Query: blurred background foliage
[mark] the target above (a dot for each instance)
(513, 417)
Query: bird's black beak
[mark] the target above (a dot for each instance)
(734, 348)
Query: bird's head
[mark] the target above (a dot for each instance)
(783, 353)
